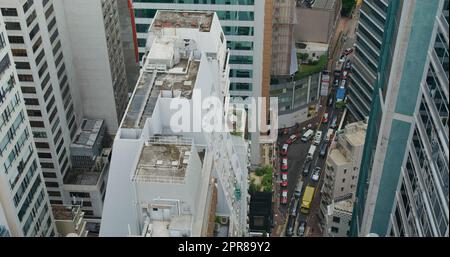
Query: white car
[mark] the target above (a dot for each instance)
(316, 174)
(318, 138)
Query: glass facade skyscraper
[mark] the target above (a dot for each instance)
(368, 45)
(243, 24)
(403, 185)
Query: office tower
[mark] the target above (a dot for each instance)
(168, 183)
(92, 37)
(24, 203)
(341, 178)
(243, 24)
(403, 186)
(40, 62)
(369, 40)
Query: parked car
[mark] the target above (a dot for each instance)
(316, 174)
(325, 118)
(284, 164)
(311, 152)
(330, 100)
(284, 196)
(290, 226)
(336, 83)
(348, 65)
(348, 51)
(301, 228)
(306, 168)
(284, 149)
(307, 136)
(334, 122)
(323, 150)
(284, 183)
(344, 74)
(298, 189)
(291, 139)
(318, 138)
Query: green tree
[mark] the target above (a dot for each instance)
(341, 105)
(259, 172)
(347, 7)
(303, 56)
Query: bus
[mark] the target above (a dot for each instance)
(308, 197)
(340, 94)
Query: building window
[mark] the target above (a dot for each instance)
(12, 25)
(334, 230)
(79, 194)
(9, 11)
(336, 219)
(15, 39)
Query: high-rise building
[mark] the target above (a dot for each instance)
(168, 183)
(40, 62)
(69, 60)
(24, 203)
(242, 22)
(369, 40)
(92, 36)
(403, 185)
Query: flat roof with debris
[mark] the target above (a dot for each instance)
(179, 81)
(183, 19)
(87, 133)
(64, 212)
(164, 160)
(85, 177)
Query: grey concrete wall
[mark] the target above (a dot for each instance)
(126, 31)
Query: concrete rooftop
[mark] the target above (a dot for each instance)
(82, 177)
(337, 157)
(344, 205)
(63, 212)
(164, 160)
(152, 85)
(183, 19)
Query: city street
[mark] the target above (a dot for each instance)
(297, 151)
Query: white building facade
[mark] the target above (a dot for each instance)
(24, 203)
(36, 46)
(168, 183)
(69, 59)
